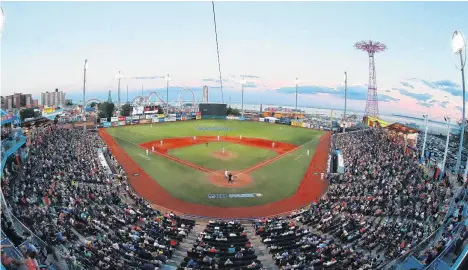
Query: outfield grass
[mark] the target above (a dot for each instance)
(275, 181)
(243, 156)
(283, 133)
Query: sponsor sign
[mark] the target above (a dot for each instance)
(106, 124)
(145, 121)
(161, 120)
(234, 196)
(135, 121)
(198, 117)
(230, 117)
(48, 110)
(103, 120)
(306, 125)
(155, 120)
(114, 119)
(114, 124)
(183, 118)
(121, 123)
(149, 116)
(142, 117)
(170, 119)
(261, 119)
(121, 118)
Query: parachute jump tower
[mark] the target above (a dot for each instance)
(371, 47)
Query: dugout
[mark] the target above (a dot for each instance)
(212, 110)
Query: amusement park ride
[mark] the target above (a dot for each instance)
(181, 105)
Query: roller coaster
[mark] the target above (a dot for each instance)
(182, 105)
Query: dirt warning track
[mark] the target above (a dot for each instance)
(310, 188)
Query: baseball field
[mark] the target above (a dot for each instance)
(181, 166)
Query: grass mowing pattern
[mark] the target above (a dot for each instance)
(275, 181)
(243, 156)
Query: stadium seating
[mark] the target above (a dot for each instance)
(222, 245)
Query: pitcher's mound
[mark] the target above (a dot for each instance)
(238, 181)
(224, 156)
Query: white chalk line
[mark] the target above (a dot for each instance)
(173, 158)
(275, 158)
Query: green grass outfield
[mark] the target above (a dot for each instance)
(243, 156)
(276, 181)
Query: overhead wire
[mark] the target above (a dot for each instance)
(217, 50)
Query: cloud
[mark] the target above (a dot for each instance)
(419, 97)
(444, 104)
(353, 92)
(250, 76)
(445, 85)
(425, 104)
(407, 85)
(250, 85)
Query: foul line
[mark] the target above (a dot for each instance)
(266, 162)
(173, 158)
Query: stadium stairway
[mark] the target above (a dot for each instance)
(181, 251)
(260, 249)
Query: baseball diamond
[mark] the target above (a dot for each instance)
(188, 160)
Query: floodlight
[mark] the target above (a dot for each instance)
(167, 78)
(345, 76)
(243, 81)
(2, 20)
(458, 42)
(86, 64)
(118, 76)
(296, 81)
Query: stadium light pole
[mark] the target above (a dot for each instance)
(168, 79)
(2, 21)
(297, 87)
(458, 47)
(447, 119)
(84, 93)
(243, 81)
(118, 77)
(426, 122)
(345, 99)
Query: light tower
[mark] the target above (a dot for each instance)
(371, 47)
(205, 94)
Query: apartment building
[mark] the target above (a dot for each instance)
(55, 98)
(16, 101)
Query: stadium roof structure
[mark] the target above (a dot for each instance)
(402, 128)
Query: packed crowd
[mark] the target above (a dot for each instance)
(222, 245)
(382, 207)
(65, 197)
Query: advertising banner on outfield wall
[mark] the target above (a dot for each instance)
(106, 124)
(231, 117)
(161, 116)
(183, 118)
(145, 121)
(261, 119)
(306, 125)
(155, 120)
(121, 123)
(121, 118)
(234, 196)
(150, 116)
(198, 117)
(170, 119)
(103, 120)
(114, 119)
(161, 120)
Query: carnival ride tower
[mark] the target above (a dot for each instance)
(371, 47)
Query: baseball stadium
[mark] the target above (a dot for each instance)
(180, 178)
